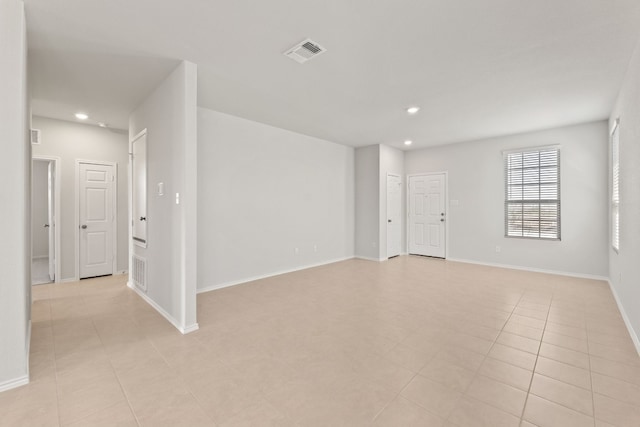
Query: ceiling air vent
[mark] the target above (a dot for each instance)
(35, 136)
(304, 51)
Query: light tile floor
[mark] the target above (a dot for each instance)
(408, 342)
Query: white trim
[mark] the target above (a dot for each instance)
(40, 257)
(277, 273)
(532, 148)
(616, 123)
(69, 280)
(366, 258)
(184, 330)
(446, 208)
(122, 272)
(57, 161)
(114, 165)
(534, 270)
(627, 322)
(16, 382)
(386, 219)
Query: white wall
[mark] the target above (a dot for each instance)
(265, 191)
(367, 202)
(15, 215)
(391, 162)
(170, 116)
(476, 181)
(39, 209)
(76, 141)
(624, 266)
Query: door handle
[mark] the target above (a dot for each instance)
(388, 220)
(441, 219)
(143, 218)
(46, 226)
(84, 226)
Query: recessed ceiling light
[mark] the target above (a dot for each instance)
(413, 110)
(81, 116)
(102, 125)
(408, 142)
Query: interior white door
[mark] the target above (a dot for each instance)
(96, 213)
(427, 215)
(394, 201)
(51, 173)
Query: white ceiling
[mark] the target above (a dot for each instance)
(477, 68)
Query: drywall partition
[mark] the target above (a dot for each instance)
(71, 141)
(15, 215)
(391, 162)
(624, 269)
(169, 115)
(367, 202)
(269, 200)
(476, 200)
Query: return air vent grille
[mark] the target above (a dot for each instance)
(304, 51)
(35, 136)
(139, 273)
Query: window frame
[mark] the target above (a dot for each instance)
(615, 186)
(527, 201)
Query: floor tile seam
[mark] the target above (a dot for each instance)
(55, 365)
(615, 378)
(535, 363)
(115, 372)
(182, 381)
(395, 397)
(593, 399)
(427, 409)
(593, 417)
(464, 392)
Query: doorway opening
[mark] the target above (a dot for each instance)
(45, 211)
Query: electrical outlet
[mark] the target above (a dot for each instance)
(498, 248)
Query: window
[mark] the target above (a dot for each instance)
(615, 187)
(532, 193)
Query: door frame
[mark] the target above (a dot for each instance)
(114, 267)
(446, 204)
(387, 213)
(56, 207)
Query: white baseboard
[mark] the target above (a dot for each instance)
(163, 312)
(71, 279)
(627, 322)
(123, 272)
(535, 270)
(39, 257)
(16, 382)
(366, 258)
(264, 276)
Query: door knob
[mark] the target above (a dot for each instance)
(143, 218)
(441, 219)
(84, 226)
(46, 226)
(388, 220)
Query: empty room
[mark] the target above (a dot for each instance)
(338, 213)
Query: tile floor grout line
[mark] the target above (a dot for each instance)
(593, 392)
(55, 355)
(535, 363)
(115, 372)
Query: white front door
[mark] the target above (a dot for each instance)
(51, 174)
(96, 214)
(427, 215)
(394, 200)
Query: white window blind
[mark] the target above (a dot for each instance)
(532, 193)
(615, 187)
